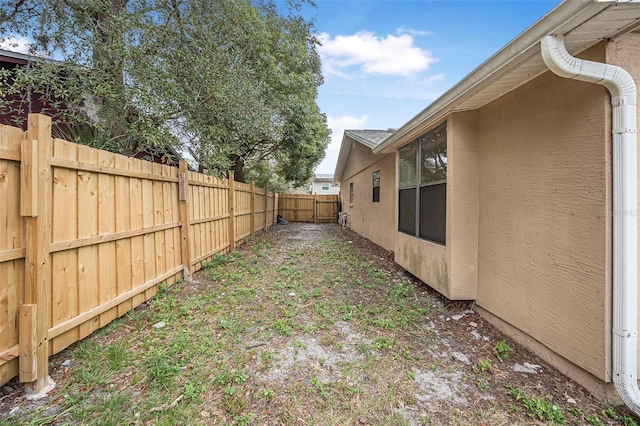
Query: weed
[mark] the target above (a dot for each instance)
(538, 408)
(399, 291)
(193, 390)
(483, 384)
(628, 421)
(611, 413)
(594, 420)
(502, 349)
(162, 368)
(483, 364)
(382, 343)
(411, 374)
(575, 411)
(283, 326)
(268, 394)
(384, 323)
(319, 386)
(375, 273)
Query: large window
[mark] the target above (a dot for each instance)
(422, 191)
(376, 186)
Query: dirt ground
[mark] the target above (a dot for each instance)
(314, 325)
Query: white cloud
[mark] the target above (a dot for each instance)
(338, 125)
(432, 79)
(392, 55)
(411, 31)
(15, 43)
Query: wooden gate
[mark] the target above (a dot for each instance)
(309, 208)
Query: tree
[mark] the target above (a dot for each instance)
(232, 82)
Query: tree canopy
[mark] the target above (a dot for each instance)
(234, 83)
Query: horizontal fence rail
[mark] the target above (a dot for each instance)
(89, 235)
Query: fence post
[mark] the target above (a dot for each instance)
(253, 209)
(232, 211)
(266, 204)
(34, 367)
(183, 194)
(276, 195)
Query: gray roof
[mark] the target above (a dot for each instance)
(319, 177)
(368, 138)
(583, 23)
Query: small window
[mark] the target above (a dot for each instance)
(351, 193)
(325, 186)
(376, 186)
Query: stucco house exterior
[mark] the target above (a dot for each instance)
(518, 188)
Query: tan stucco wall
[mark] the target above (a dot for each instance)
(544, 240)
(462, 204)
(451, 269)
(375, 221)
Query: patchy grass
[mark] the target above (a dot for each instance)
(304, 324)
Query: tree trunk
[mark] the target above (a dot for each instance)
(238, 168)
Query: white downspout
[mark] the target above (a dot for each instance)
(625, 206)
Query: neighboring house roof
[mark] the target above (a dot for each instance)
(322, 177)
(21, 58)
(583, 23)
(369, 138)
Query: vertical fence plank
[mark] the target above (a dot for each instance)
(37, 261)
(88, 227)
(123, 223)
(106, 225)
(136, 203)
(266, 204)
(253, 209)
(315, 209)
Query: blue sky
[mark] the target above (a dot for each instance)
(385, 61)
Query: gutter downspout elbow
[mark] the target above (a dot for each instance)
(625, 206)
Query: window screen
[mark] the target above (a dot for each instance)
(376, 186)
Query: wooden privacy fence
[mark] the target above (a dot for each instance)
(309, 208)
(87, 235)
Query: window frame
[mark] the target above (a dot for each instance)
(411, 178)
(375, 184)
(351, 193)
(325, 187)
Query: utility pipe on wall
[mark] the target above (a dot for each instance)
(625, 206)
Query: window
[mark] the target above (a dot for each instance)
(325, 186)
(376, 186)
(351, 193)
(422, 191)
